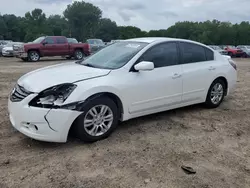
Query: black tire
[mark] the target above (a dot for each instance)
(33, 56)
(25, 59)
(230, 54)
(244, 55)
(78, 54)
(79, 129)
(209, 103)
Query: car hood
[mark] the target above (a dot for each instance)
(40, 79)
(8, 48)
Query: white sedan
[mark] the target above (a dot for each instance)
(132, 78)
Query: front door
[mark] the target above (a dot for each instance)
(48, 47)
(160, 88)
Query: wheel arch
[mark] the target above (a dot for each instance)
(224, 80)
(34, 49)
(112, 96)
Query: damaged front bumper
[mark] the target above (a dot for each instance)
(43, 124)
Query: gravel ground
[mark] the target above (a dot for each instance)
(143, 152)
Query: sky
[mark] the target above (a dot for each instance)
(145, 14)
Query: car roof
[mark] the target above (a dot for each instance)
(159, 39)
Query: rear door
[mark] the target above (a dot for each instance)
(62, 46)
(199, 69)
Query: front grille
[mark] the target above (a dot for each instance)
(19, 93)
(18, 48)
(239, 51)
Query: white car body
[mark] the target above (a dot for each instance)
(141, 93)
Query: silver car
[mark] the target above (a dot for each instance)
(245, 49)
(95, 44)
(217, 48)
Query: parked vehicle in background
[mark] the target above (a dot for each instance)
(52, 46)
(72, 41)
(125, 80)
(3, 43)
(218, 49)
(95, 45)
(234, 52)
(8, 49)
(245, 49)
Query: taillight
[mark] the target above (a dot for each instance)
(232, 63)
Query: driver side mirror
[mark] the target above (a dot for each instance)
(144, 66)
(44, 43)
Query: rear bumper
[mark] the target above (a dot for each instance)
(51, 125)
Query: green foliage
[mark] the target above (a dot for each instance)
(107, 30)
(83, 20)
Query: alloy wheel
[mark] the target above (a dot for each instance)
(34, 56)
(79, 55)
(98, 120)
(217, 93)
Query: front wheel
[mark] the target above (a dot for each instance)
(230, 54)
(215, 94)
(34, 56)
(78, 55)
(98, 121)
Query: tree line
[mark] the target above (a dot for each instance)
(83, 20)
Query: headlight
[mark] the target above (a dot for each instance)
(55, 95)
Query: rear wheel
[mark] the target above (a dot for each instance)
(78, 54)
(245, 55)
(216, 94)
(98, 121)
(34, 56)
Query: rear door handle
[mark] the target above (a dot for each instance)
(176, 75)
(211, 68)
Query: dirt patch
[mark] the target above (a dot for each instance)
(144, 152)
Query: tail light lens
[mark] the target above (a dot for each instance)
(232, 63)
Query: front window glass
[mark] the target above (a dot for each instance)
(162, 55)
(49, 40)
(114, 56)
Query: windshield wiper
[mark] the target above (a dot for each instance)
(89, 65)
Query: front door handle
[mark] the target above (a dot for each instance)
(211, 68)
(176, 75)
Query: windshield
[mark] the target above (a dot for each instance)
(114, 56)
(39, 40)
(72, 40)
(95, 41)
